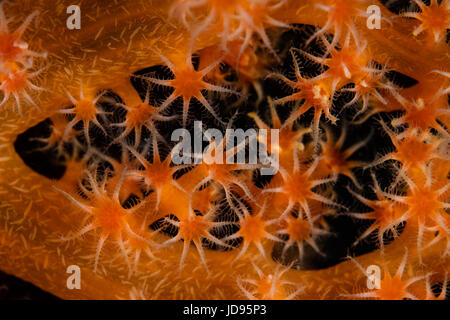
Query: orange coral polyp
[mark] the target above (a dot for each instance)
(335, 159)
(158, 174)
(298, 229)
(12, 47)
(289, 138)
(345, 63)
(392, 288)
(109, 215)
(269, 289)
(188, 83)
(422, 115)
(425, 202)
(269, 286)
(85, 110)
(413, 151)
(138, 115)
(8, 50)
(316, 95)
(252, 228)
(434, 19)
(193, 228)
(298, 187)
(15, 82)
(386, 214)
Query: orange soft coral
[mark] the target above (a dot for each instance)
(140, 225)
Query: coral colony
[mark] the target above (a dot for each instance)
(242, 149)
